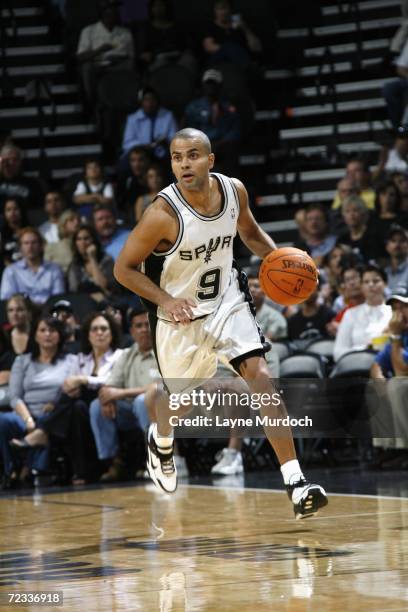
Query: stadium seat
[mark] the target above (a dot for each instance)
(323, 347)
(282, 349)
(302, 366)
(355, 364)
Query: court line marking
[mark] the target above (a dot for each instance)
(264, 490)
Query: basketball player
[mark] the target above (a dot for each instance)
(199, 303)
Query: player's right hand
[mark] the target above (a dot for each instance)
(179, 310)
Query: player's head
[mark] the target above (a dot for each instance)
(191, 158)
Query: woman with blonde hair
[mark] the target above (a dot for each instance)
(19, 311)
(61, 252)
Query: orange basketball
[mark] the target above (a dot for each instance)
(288, 276)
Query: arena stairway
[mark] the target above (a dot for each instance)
(308, 118)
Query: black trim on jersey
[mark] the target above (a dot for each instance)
(197, 214)
(236, 362)
(153, 326)
(181, 226)
(235, 190)
(244, 288)
(153, 267)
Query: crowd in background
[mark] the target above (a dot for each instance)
(85, 383)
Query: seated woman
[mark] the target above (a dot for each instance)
(61, 252)
(92, 189)
(359, 234)
(361, 324)
(35, 385)
(19, 310)
(91, 270)
(387, 207)
(69, 420)
(155, 182)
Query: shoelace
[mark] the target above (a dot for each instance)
(168, 466)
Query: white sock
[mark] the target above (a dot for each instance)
(163, 443)
(291, 471)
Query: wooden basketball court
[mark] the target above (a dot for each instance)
(205, 548)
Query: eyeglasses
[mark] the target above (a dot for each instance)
(96, 328)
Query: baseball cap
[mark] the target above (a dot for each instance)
(400, 294)
(62, 305)
(212, 75)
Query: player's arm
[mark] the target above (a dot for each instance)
(252, 235)
(153, 228)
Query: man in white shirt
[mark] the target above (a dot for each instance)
(104, 46)
(54, 205)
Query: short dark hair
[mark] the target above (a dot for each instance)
(86, 346)
(372, 267)
(320, 207)
(382, 188)
(99, 207)
(396, 229)
(136, 312)
(190, 133)
(54, 324)
(358, 267)
(360, 160)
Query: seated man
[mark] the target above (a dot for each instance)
(13, 182)
(103, 46)
(31, 275)
(272, 322)
(128, 396)
(310, 322)
(391, 365)
(358, 172)
(54, 205)
(317, 241)
(110, 235)
(396, 246)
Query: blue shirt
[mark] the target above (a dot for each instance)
(224, 125)
(116, 243)
(397, 278)
(143, 130)
(384, 357)
(39, 286)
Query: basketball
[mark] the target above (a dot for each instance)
(288, 276)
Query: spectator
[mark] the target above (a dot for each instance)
(359, 234)
(318, 241)
(163, 42)
(6, 359)
(19, 320)
(155, 180)
(350, 295)
(132, 183)
(91, 270)
(387, 206)
(35, 385)
(395, 91)
(152, 126)
(394, 160)
(357, 171)
(14, 220)
(229, 39)
(93, 189)
(391, 365)
(396, 246)
(31, 275)
(69, 419)
(330, 273)
(54, 205)
(116, 308)
(310, 322)
(217, 118)
(111, 237)
(361, 324)
(124, 402)
(272, 323)
(345, 188)
(13, 183)
(103, 46)
(61, 252)
(64, 312)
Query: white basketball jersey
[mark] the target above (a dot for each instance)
(199, 264)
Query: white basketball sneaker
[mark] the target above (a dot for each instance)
(307, 498)
(229, 461)
(160, 464)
